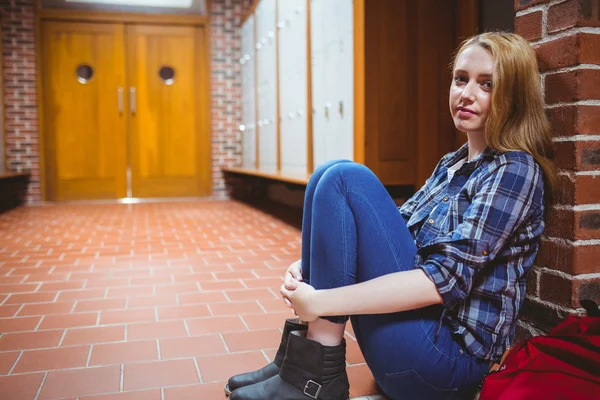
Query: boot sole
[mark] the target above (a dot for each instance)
(227, 391)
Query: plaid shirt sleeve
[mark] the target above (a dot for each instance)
(504, 200)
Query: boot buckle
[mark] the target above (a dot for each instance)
(312, 389)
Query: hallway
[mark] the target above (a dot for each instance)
(156, 300)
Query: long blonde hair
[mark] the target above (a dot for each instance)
(516, 120)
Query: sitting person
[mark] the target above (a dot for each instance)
(433, 288)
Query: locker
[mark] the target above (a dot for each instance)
(248, 98)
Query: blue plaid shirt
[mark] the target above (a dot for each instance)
(477, 236)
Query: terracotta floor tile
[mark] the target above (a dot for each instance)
(79, 382)
(167, 279)
(221, 285)
(202, 297)
(57, 286)
(130, 292)
(69, 321)
(18, 288)
(159, 374)
(9, 311)
(266, 321)
(273, 283)
(152, 301)
(182, 312)
(222, 367)
(18, 324)
(86, 294)
(237, 308)
(156, 330)
(250, 294)
(275, 305)
(101, 334)
(153, 394)
(202, 326)
(64, 307)
(353, 353)
(20, 387)
(30, 340)
(31, 298)
(361, 380)
(122, 353)
(191, 346)
(188, 287)
(7, 360)
(100, 305)
(52, 359)
(127, 316)
(208, 391)
(255, 340)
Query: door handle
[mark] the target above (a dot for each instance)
(120, 99)
(133, 100)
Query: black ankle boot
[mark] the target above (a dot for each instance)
(271, 369)
(309, 371)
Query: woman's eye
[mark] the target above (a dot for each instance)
(459, 79)
(487, 84)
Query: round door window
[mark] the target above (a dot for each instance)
(84, 73)
(167, 74)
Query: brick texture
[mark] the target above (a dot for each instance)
(573, 13)
(20, 89)
(226, 86)
(529, 25)
(567, 269)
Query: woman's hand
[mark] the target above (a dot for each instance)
(302, 300)
(294, 272)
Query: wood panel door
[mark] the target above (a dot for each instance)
(168, 155)
(83, 82)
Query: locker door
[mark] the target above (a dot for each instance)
(248, 98)
(343, 136)
(266, 54)
(294, 158)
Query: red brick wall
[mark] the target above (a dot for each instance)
(226, 87)
(20, 90)
(566, 36)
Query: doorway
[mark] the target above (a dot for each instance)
(123, 111)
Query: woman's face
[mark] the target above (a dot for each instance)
(471, 89)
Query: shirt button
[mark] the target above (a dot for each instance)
(431, 221)
(461, 352)
(446, 198)
(485, 253)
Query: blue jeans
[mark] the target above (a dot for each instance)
(352, 232)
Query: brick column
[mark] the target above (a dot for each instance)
(20, 91)
(566, 36)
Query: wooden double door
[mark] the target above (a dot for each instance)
(125, 111)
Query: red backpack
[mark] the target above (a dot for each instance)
(565, 364)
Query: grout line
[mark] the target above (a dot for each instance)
(162, 393)
(16, 362)
(122, 377)
(39, 323)
(197, 369)
(62, 338)
(87, 364)
(224, 344)
(158, 349)
(41, 386)
(261, 306)
(244, 322)
(187, 329)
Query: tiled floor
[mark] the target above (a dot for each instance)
(147, 301)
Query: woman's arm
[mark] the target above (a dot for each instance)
(400, 291)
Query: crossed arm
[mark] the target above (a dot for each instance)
(400, 291)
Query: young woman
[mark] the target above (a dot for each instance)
(433, 290)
